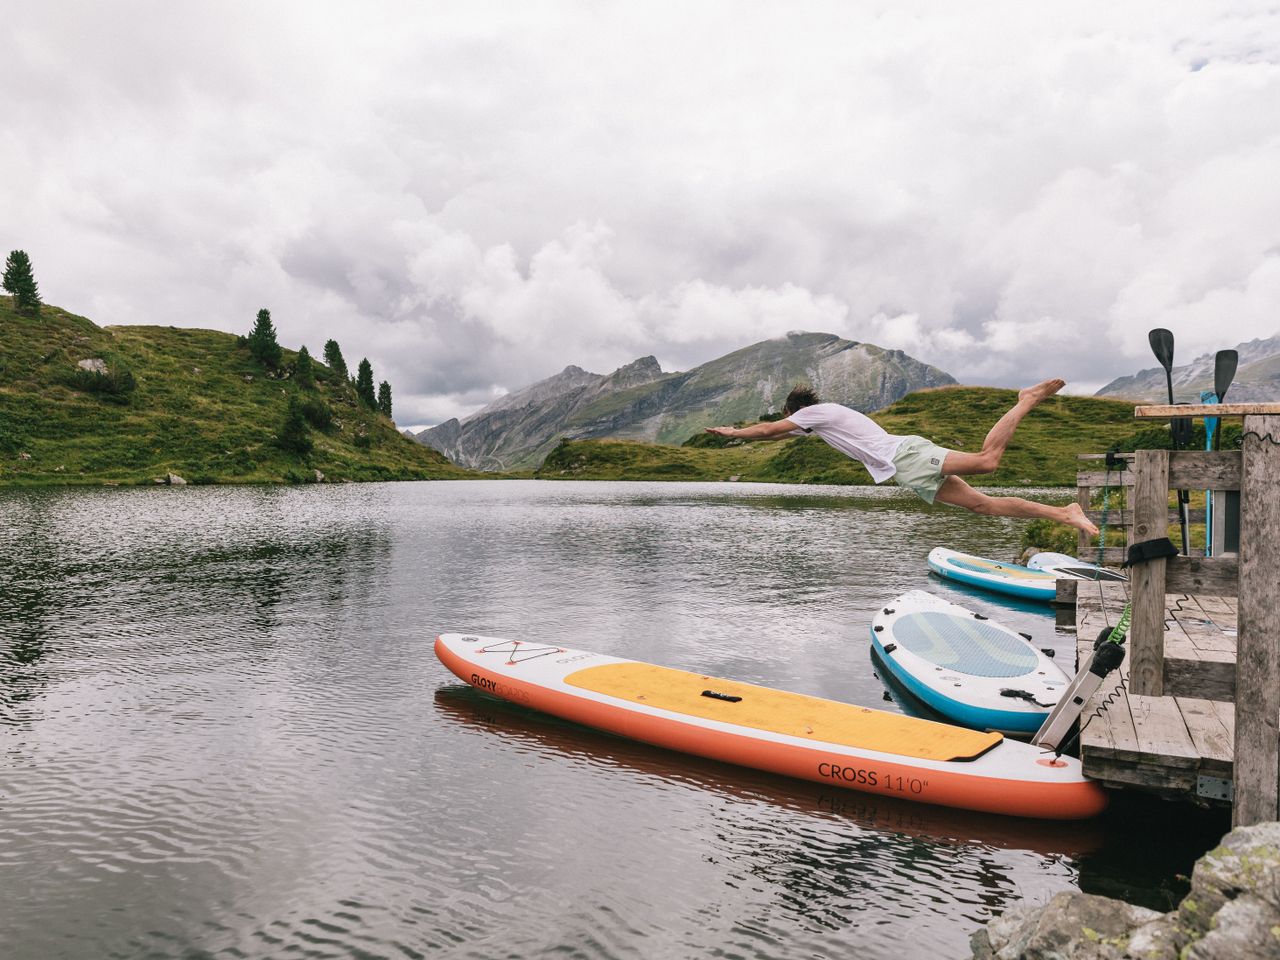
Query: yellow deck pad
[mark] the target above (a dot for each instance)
(780, 711)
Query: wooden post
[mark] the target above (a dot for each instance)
(1083, 496)
(1150, 521)
(1257, 746)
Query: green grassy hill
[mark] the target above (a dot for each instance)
(1043, 452)
(202, 408)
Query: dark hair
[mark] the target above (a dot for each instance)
(800, 397)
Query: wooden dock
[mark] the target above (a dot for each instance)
(1179, 745)
(1194, 712)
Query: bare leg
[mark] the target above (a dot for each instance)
(960, 464)
(959, 494)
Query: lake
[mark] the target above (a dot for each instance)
(225, 733)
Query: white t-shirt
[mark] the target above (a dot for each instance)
(853, 434)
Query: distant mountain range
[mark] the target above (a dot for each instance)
(641, 402)
(1257, 378)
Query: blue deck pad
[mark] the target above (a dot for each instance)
(964, 645)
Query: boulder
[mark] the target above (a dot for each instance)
(1231, 913)
(1071, 926)
(93, 365)
(174, 480)
(319, 477)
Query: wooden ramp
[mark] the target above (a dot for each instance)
(1179, 745)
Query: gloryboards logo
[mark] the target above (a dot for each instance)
(498, 688)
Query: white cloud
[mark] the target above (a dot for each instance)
(475, 196)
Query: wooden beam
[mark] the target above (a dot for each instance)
(1100, 478)
(1164, 411)
(1257, 743)
(1219, 576)
(1204, 470)
(1147, 580)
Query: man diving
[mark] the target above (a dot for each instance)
(929, 471)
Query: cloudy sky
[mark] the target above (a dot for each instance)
(475, 195)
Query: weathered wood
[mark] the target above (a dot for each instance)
(1199, 677)
(1213, 738)
(1162, 733)
(1124, 518)
(1097, 478)
(1257, 744)
(1082, 539)
(1216, 575)
(1147, 580)
(1065, 592)
(1204, 470)
(1163, 411)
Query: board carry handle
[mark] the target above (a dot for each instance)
(727, 697)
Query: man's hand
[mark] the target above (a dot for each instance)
(723, 431)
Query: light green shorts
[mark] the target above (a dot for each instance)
(918, 467)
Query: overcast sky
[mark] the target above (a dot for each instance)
(475, 195)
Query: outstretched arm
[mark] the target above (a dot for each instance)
(767, 430)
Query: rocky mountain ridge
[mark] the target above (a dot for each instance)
(1257, 379)
(641, 402)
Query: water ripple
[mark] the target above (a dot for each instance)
(223, 732)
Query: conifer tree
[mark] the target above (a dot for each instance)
(364, 384)
(263, 345)
(333, 359)
(384, 399)
(294, 437)
(21, 282)
(303, 371)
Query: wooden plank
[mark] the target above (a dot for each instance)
(1162, 733)
(1098, 478)
(1204, 470)
(1257, 746)
(1216, 575)
(1117, 517)
(1198, 677)
(1147, 580)
(1161, 411)
(1213, 739)
(1082, 539)
(1065, 594)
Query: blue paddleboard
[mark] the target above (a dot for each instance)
(1008, 578)
(972, 670)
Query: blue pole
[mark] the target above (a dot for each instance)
(1210, 427)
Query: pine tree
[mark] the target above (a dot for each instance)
(384, 399)
(294, 437)
(263, 345)
(364, 384)
(21, 282)
(333, 359)
(303, 370)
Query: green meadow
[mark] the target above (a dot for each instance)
(183, 401)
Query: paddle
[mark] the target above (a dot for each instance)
(1161, 341)
(1224, 371)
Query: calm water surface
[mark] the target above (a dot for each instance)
(223, 732)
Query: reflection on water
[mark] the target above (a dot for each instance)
(224, 730)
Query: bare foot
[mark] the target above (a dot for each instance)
(1040, 391)
(1075, 516)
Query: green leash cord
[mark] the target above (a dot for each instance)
(1121, 629)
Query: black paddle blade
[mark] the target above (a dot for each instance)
(1224, 371)
(1161, 341)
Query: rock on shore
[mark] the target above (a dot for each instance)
(1231, 913)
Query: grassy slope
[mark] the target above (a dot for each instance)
(1043, 452)
(192, 413)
